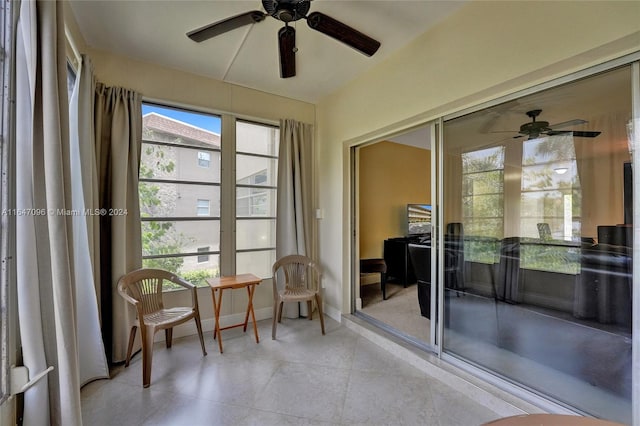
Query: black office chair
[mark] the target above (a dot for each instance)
(421, 259)
(372, 266)
(544, 231)
(454, 256)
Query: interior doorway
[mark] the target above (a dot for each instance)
(394, 195)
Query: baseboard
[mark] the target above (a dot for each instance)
(333, 313)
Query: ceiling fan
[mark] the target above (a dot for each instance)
(289, 11)
(534, 129)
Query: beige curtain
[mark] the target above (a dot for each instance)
(44, 244)
(118, 130)
(295, 191)
(93, 363)
(84, 97)
(295, 187)
(600, 170)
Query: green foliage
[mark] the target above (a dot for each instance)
(482, 250)
(547, 257)
(158, 238)
(199, 277)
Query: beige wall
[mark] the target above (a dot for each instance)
(485, 50)
(390, 177)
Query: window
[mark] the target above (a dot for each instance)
(180, 204)
(256, 176)
(173, 232)
(202, 208)
(482, 202)
(204, 158)
(203, 257)
(71, 79)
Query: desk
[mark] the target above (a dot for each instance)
(248, 281)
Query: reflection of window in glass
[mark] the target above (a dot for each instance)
(550, 201)
(204, 159)
(550, 187)
(203, 207)
(483, 202)
(203, 257)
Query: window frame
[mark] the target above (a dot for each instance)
(8, 302)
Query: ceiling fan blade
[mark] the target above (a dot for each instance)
(287, 45)
(220, 27)
(575, 122)
(575, 133)
(344, 33)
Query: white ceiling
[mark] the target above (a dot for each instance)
(155, 31)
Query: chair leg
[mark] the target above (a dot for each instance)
(280, 309)
(147, 356)
(277, 306)
(132, 337)
(199, 327)
(310, 309)
(319, 303)
(168, 336)
(383, 286)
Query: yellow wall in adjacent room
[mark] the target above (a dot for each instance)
(391, 176)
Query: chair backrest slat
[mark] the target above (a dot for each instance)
(298, 272)
(145, 285)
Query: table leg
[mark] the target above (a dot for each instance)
(216, 310)
(246, 315)
(251, 289)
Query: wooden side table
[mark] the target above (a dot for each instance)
(218, 285)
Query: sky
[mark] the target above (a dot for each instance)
(204, 121)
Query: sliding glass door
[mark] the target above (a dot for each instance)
(537, 244)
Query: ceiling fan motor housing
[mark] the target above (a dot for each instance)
(535, 128)
(287, 10)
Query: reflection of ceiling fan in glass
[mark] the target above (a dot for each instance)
(534, 129)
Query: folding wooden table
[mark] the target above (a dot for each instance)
(248, 281)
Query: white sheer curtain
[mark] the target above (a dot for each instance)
(93, 362)
(295, 191)
(44, 244)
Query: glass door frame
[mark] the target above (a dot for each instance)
(353, 147)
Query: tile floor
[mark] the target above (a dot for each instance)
(302, 378)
